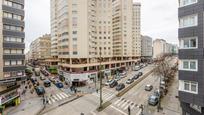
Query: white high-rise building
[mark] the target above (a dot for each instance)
(81, 30)
(146, 46)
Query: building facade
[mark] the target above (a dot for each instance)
(12, 47)
(40, 49)
(137, 41)
(146, 46)
(191, 82)
(89, 29)
(160, 47)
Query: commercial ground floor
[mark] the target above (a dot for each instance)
(82, 71)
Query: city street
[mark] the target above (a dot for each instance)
(88, 103)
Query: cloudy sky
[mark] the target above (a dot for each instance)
(158, 17)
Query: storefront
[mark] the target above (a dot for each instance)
(10, 97)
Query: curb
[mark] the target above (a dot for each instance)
(61, 104)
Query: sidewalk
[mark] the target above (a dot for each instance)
(171, 104)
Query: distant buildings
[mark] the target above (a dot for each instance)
(40, 49)
(146, 49)
(160, 46)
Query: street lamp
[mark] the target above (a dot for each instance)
(100, 74)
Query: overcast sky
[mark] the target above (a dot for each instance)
(158, 17)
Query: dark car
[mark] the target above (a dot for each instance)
(140, 73)
(148, 87)
(129, 81)
(47, 83)
(113, 83)
(136, 76)
(59, 84)
(40, 90)
(153, 100)
(120, 86)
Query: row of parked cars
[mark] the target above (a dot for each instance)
(138, 67)
(114, 83)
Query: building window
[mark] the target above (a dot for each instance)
(13, 28)
(12, 4)
(13, 39)
(75, 53)
(188, 21)
(188, 65)
(189, 43)
(7, 63)
(12, 16)
(188, 86)
(196, 107)
(74, 32)
(187, 2)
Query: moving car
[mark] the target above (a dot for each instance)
(129, 81)
(148, 87)
(153, 100)
(136, 68)
(47, 83)
(140, 73)
(40, 90)
(113, 83)
(120, 87)
(59, 84)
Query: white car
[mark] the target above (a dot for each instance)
(108, 82)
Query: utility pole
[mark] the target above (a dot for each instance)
(100, 74)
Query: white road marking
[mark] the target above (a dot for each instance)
(131, 107)
(120, 103)
(119, 110)
(59, 97)
(55, 98)
(117, 101)
(93, 113)
(66, 95)
(126, 103)
(62, 95)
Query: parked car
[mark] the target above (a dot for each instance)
(113, 83)
(157, 93)
(136, 68)
(52, 79)
(40, 90)
(59, 84)
(108, 82)
(120, 87)
(129, 81)
(148, 87)
(118, 78)
(140, 73)
(33, 79)
(47, 83)
(136, 76)
(153, 100)
(42, 78)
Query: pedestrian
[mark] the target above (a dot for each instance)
(96, 90)
(26, 87)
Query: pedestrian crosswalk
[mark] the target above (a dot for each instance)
(107, 96)
(57, 97)
(124, 104)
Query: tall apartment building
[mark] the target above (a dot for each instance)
(137, 46)
(40, 48)
(191, 55)
(146, 46)
(84, 28)
(12, 50)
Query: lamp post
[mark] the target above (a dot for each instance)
(100, 74)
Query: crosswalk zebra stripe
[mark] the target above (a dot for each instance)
(131, 103)
(55, 97)
(131, 107)
(126, 103)
(117, 101)
(121, 102)
(62, 95)
(66, 95)
(59, 97)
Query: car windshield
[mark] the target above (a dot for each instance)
(152, 98)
